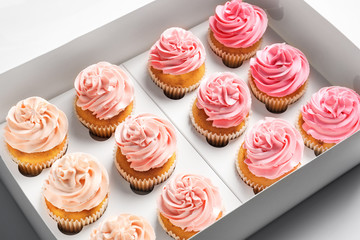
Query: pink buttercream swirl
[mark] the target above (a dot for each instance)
(332, 114)
(146, 140)
(124, 227)
(237, 24)
(279, 70)
(35, 125)
(104, 89)
(225, 99)
(273, 147)
(190, 202)
(177, 52)
(76, 182)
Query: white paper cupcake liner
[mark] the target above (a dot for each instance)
(173, 235)
(143, 184)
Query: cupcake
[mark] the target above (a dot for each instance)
(177, 62)
(222, 108)
(145, 150)
(188, 204)
(236, 31)
(124, 227)
(35, 134)
(331, 115)
(272, 149)
(278, 76)
(76, 191)
(104, 97)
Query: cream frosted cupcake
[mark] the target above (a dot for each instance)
(278, 76)
(236, 31)
(104, 97)
(124, 227)
(145, 150)
(76, 191)
(188, 204)
(177, 62)
(35, 134)
(331, 115)
(222, 108)
(272, 149)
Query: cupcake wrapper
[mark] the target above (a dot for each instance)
(75, 226)
(172, 234)
(143, 184)
(173, 92)
(275, 105)
(29, 169)
(229, 59)
(214, 139)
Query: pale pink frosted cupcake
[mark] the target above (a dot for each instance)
(124, 227)
(177, 62)
(104, 97)
(76, 192)
(236, 31)
(35, 134)
(278, 76)
(145, 151)
(222, 108)
(272, 149)
(331, 115)
(188, 204)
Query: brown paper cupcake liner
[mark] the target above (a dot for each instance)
(173, 92)
(229, 59)
(29, 169)
(143, 184)
(216, 139)
(273, 104)
(75, 226)
(171, 233)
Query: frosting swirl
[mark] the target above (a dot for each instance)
(177, 52)
(146, 140)
(104, 89)
(225, 99)
(35, 125)
(332, 114)
(76, 182)
(190, 202)
(237, 24)
(279, 70)
(273, 147)
(124, 227)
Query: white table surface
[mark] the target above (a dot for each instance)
(31, 28)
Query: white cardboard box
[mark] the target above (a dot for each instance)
(52, 75)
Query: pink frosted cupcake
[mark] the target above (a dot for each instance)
(35, 134)
(222, 108)
(177, 62)
(331, 115)
(145, 151)
(278, 76)
(272, 149)
(188, 204)
(104, 97)
(236, 31)
(76, 191)
(124, 227)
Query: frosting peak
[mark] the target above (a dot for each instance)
(332, 114)
(104, 89)
(76, 182)
(146, 140)
(279, 69)
(237, 24)
(177, 52)
(35, 125)
(273, 148)
(225, 99)
(190, 202)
